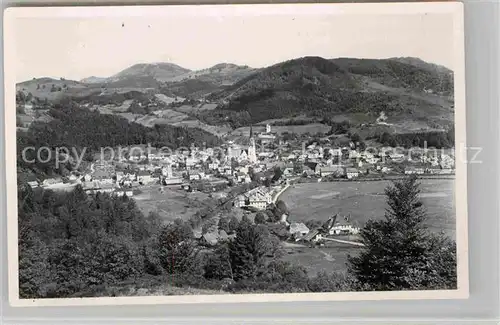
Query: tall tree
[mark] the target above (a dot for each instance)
(247, 251)
(400, 252)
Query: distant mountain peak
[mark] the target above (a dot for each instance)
(160, 71)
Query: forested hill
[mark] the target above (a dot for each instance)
(318, 87)
(76, 127)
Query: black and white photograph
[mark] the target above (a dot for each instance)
(232, 153)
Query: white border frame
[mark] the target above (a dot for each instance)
(453, 8)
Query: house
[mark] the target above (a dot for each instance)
(102, 176)
(288, 171)
(419, 171)
(106, 188)
(329, 170)
(258, 202)
(210, 239)
(351, 173)
(223, 235)
(119, 176)
(298, 229)
(414, 170)
(312, 236)
(172, 181)
(353, 154)
(33, 184)
(343, 228)
(51, 181)
(283, 219)
(240, 177)
(213, 165)
(194, 175)
(385, 170)
(240, 201)
(333, 226)
(122, 193)
(144, 177)
(259, 198)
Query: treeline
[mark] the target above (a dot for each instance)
(419, 139)
(116, 98)
(79, 128)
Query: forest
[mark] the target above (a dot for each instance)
(437, 140)
(76, 127)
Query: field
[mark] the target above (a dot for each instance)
(173, 203)
(363, 201)
(330, 258)
(366, 200)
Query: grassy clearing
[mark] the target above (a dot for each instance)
(366, 200)
(173, 203)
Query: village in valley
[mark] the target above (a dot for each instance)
(247, 176)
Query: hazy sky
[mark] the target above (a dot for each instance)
(95, 43)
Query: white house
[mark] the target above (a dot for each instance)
(298, 229)
(145, 177)
(343, 228)
(33, 184)
(351, 173)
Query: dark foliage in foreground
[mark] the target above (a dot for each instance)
(401, 253)
(76, 245)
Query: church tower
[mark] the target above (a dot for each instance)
(252, 154)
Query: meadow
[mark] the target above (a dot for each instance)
(366, 200)
(170, 204)
(362, 201)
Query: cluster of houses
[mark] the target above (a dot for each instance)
(258, 198)
(299, 232)
(334, 226)
(348, 162)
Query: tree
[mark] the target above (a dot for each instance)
(218, 265)
(260, 218)
(210, 225)
(233, 224)
(400, 252)
(298, 168)
(277, 174)
(176, 248)
(224, 224)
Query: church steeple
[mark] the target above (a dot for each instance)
(252, 154)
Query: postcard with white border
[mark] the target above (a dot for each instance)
(235, 153)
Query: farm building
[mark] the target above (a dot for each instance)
(351, 173)
(298, 229)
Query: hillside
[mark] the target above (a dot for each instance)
(157, 71)
(221, 74)
(55, 89)
(93, 80)
(414, 95)
(354, 89)
(407, 73)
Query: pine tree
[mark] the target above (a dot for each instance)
(246, 251)
(400, 253)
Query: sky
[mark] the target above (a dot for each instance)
(79, 44)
